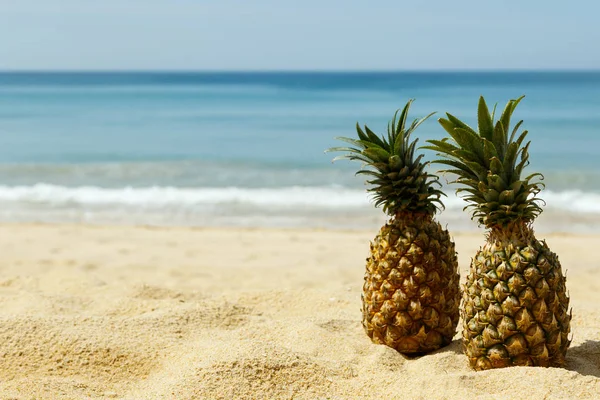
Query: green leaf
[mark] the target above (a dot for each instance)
(509, 159)
(361, 134)
(404, 171)
(442, 146)
(464, 155)
(355, 142)
(507, 197)
(507, 113)
(418, 122)
(447, 125)
(491, 195)
(417, 161)
(469, 142)
(399, 147)
(499, 139)
(404, 115)
(489, 150)
(394, 121)
(352, 157)
(346, 149)
(527, 179)
(496, 182)
(485, 123)
(496, 166)
(396, 132)
(521, 138)
(514, 132)
(524, 160)
(395, 162)
(473, 192)
(373, 138)
(459, 166)
(410, 152)
(459, 124)
(480, 171)
(377, 154)
(516, 186)
(390, 136)
(368, 172)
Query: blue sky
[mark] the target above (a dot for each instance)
(307, 35)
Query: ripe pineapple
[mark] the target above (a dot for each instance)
(411, 291)
(515, 305)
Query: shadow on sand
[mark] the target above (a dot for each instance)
(455, 347)
(585, 358)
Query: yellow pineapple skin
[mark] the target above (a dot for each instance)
(411, 291)
(515, 305)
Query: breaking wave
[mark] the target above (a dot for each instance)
(160, 197)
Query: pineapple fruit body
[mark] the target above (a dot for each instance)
(515, 308)
(411, 291)
(515, 305)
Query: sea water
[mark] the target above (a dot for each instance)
(247, 149)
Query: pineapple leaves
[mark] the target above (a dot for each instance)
(521, 138)
(358, 157)
(410, 152)
(441, 146)
(507, 113)
(499, 139)
(488, 165)
(398, 179)
(416, 123)
(485, 123)
(357, 143)
(514, 132)
(361, 134)
(459, 124)
(489, 150)
(524, 160)
(376, 154)
(460, 169)
(373, 138)
(465, 138)
(447, 125)
(403, 116)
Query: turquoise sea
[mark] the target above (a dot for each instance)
(246, 149)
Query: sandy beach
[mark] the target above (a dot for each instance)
(104, 312)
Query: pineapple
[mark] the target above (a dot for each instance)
(411, 291)
(515, 305)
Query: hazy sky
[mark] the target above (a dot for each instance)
(298, 35)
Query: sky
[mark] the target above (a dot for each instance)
(299, 35)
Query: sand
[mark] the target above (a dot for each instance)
(182, 313)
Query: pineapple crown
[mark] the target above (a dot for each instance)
(489, 164)
(399, 182)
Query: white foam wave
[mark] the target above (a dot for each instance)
(161, 197)
(293, 206)
(569, 201)
(294, 197)
(158, 197)
(575, 201)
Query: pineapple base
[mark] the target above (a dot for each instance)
(411, 292)
(515, 305)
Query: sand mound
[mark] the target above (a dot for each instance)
(137, 313)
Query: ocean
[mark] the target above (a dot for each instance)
(247, 149)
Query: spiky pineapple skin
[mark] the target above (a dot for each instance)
(515, 305)
(411, 291)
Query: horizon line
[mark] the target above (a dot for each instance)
(300, 71)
